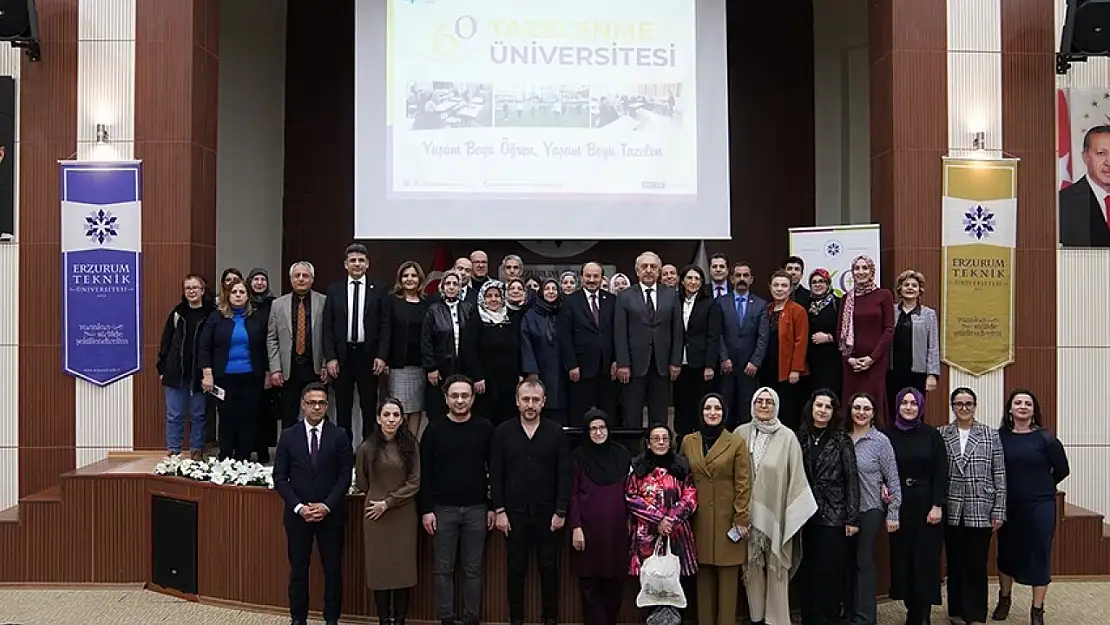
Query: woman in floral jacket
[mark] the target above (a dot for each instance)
(661, 499)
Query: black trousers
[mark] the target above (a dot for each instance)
(824, 561)
(601, 599)
(966, 549)
(689, 388)
(498, 403)
(738, 389)
(532, 532)
(862, 576)
(239, 414)
(357, 370)
(300, 375)
(266, 432)
(653, 390)
(597, 392)
(791, 400)
(329, 540)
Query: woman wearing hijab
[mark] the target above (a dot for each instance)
(823, 356)
(661, 498)
(491, 354)
(830, 463)
(598, 521)
(719, 461)
(440, 337)
(781, 503)
(262, 298)
(516, 294)
(539, 351)
(864, 332)
(618, 283)
(568, 282)
(922, 462)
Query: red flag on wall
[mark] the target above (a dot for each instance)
(440, 264)
(1063, 139)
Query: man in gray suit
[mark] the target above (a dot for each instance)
(744, 334)
(294, 340)
(647, 335)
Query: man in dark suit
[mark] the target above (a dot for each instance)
(468, 289)
(312, 473)
(356, 328)
(795, 267)
(585, 339)
(647, 340)
(1084, 204)
(745, 332)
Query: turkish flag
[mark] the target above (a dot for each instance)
(1063, 140)
(440, 264)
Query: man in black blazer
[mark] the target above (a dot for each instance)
(312, 473)
(647, 340)
(585, 327)
(1085, 203)
(356, 329)
(795, 267)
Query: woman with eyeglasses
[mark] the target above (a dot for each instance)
(661, 498)
(976, 506)
(880, 499)
(598, 520)
(823, 356)
(720, 463)
(915, 548)
(781, 503)
(490, 348)
(1035, 464)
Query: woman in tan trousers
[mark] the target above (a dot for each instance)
(719, 462)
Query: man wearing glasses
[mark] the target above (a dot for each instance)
(178, 370)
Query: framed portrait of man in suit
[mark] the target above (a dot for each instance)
(7, 158)
(1085, 203)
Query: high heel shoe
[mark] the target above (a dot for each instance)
(1002, 610)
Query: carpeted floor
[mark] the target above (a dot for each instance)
(1069, 603)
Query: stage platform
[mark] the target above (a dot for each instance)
(99, 526)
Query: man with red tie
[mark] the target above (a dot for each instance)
(585, 337)
(1085, 204)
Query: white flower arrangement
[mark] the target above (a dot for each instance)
(224, 472)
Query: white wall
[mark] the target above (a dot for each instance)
(251, 138)
(9, 320)
(842, 102)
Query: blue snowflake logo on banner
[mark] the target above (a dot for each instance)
(101, 226)
(979, 223)
(833, 249)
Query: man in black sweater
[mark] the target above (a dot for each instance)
(454, 498)
(530, 488)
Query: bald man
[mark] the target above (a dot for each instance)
(480, 262)
(586, 344)
(468, 292)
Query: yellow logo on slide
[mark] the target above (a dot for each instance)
(448, 37)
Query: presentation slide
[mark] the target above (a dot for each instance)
(537, 119)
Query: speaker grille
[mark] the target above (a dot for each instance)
(173, 536)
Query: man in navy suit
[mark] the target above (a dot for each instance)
(744, 335)
(312, 473)
(1084, 205)
(585, 328)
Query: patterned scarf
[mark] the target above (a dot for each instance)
(816, 305)
(847, 317)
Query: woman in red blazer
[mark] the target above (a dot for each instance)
(785, 362)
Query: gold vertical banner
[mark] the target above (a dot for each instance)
(979, 235)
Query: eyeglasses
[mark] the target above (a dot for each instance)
(598, 428)
(963, 405)
(193, 288)
(817, 281)
(660, 439)
(315, 403)
(764, 402)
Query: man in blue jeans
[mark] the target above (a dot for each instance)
(177, 367)
(454, 499)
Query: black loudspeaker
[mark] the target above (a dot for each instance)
(173, 543)
(19, 25)
(1086, 32)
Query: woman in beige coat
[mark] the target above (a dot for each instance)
(719, 462)
(387, 469)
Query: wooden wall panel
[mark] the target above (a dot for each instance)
(1029, 133)
(48, 108)
(771, 120)
(176, 91)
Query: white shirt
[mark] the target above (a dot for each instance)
(687, 308)
(454, 308)
(654, 295)
(1100, 196)
(964, 434)
(356, 308)
(723, 288)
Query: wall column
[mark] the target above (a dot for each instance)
(176, 98)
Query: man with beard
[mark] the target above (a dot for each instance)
(530, 487)
(585, 338)
(745, 331)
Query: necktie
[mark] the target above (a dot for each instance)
(650, 303)
(355, 310)
(302, 320)
(741, 307)
(314, 446)
(1106, 204)
(720, 291)
(593, 309)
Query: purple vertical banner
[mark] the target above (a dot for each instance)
(101, 249)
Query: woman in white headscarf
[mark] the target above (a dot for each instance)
(618, 283)
(491, 354)
(781, 503)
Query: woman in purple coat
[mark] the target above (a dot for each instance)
(599, 521)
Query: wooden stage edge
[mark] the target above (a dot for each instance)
(94, 529)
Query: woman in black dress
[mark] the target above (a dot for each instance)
(491, 354)
(407, 307)
(915, 548)
(1035, 464)
(823, 356)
